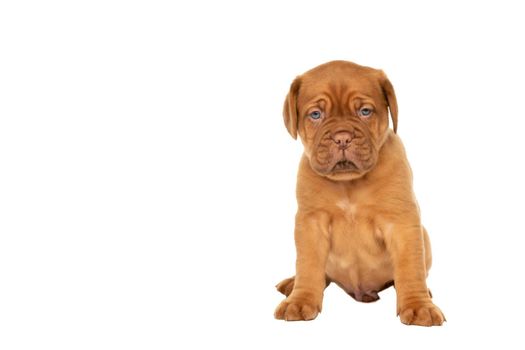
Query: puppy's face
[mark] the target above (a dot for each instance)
(340, 111)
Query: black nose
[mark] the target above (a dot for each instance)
(342, 139)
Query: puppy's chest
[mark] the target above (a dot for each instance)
(354, 232)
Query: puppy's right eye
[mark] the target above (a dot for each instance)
(315, 115)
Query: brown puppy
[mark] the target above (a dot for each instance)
(358, 221)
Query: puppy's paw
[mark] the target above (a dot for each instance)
(297, 309)
(423, 313)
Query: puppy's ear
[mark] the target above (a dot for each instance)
(390, 95)
(290, 114)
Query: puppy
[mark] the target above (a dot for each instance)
(358, 222)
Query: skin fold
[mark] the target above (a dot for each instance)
(358, 222)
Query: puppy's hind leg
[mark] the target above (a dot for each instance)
(286, 285)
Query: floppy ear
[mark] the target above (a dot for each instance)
(290, 115)
(390, 95)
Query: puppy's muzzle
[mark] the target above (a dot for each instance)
(342, 139)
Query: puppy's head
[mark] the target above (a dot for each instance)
(340, 111)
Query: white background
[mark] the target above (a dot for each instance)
(147, 181)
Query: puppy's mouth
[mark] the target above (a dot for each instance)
(344, 166)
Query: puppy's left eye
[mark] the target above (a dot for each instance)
(365, 112)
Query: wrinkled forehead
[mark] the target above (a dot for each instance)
(340, 85)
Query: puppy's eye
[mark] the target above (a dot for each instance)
(365, 112)
(315, 115)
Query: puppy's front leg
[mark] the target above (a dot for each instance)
(312, 244)
(414, 304)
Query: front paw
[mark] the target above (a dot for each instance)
(298, 309)
(421, 313)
